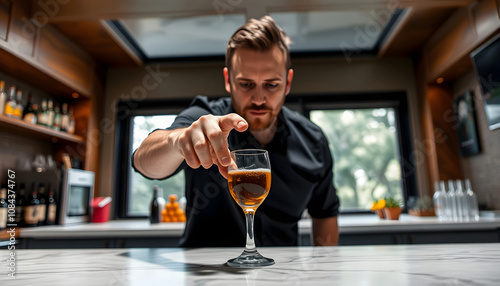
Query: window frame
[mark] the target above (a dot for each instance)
(126, 110)
(302, 103)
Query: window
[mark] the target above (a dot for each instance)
(140, 188)
(369, 136)
(364, 144)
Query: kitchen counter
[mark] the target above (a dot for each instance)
(444, 264)
(348, 224)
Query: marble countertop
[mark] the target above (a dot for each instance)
(445, 264)
(368, 223)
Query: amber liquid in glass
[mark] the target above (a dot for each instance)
(249, 188)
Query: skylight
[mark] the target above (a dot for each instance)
(312, 32)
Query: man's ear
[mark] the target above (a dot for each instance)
(289, 81)
(227, 82)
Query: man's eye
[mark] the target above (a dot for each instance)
(271, 85)
(246, 84)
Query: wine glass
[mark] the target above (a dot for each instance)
(249, 180)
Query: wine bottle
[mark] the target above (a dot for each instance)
(64, 117)
(42, 206)
(42, 113)
(57, 118)
(157, 205)
(31, 208)
(3, 96)
(50, 217)
(50, 113)
(3, 207)
(20, 199)
(29, 114)
(18, 110)
(10, 105)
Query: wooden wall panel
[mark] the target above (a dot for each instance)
(4, 18)
(61, 57)
(445, 135)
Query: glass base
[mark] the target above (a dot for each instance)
(250, 259)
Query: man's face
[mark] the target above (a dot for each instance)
(258, 83)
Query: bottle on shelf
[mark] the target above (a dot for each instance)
(3, 96)
(157, 205)
(18, 111)
(50, 113)
(29, 113)
(471, 201)
(71, 123)
(439, 200)
(42, 206)
(64, 117)
(31, 208)
(20, 199)
(3, 207)
(42, 113)
(50, 217)
(57, 118)
(10, 104)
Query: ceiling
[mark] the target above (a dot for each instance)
(87, 23)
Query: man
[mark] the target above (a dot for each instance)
(258, 77)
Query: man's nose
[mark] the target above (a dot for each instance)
(259, 98)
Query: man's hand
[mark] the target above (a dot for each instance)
(204, 143)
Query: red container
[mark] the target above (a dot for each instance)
(100, 212)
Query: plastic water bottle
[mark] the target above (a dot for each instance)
(472, 201)
(462, 203)
(439, 200)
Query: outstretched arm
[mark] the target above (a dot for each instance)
(204, 143)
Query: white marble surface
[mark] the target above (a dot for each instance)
(347, 224)
(450, 264)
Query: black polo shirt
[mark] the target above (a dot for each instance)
(302, 178)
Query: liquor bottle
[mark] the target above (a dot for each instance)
(452, 201)
(50, 114)
(20, 199)
(50, 217)
(3, 207)
(10, 105)
(18, 111)
(439, 199)
(71, 123)
(31, 208)
(29, 114)
(42, 206)
(157, 205)
(462, 204)
(3, 96)
(64, 117)
(42, 113)
(57, 118)
(472, 201)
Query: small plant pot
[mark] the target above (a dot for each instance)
(380, 213)
(392, 213)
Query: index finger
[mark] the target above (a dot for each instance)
(217, 134)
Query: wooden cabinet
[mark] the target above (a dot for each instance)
(38, 55)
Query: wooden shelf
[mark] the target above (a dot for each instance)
(17, 126)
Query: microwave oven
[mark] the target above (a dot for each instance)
(76, 194)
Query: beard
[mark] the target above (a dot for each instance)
(259, 123)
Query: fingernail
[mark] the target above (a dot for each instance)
(225, 161)
(241, 124)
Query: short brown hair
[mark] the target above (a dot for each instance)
(259, 35)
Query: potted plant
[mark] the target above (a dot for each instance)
(378, 206)
(392, 209)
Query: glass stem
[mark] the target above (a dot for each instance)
(249, 216)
